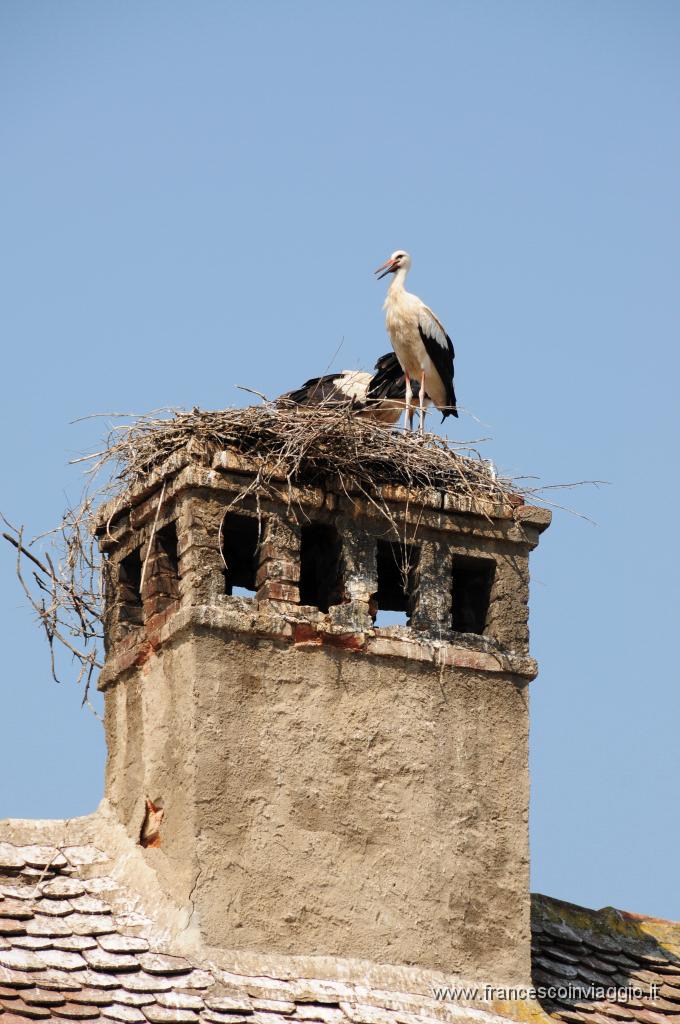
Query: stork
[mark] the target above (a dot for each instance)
(378, 396)
(422, 346)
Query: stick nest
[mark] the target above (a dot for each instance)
(305, 445)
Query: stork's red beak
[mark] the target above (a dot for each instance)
(385, 269)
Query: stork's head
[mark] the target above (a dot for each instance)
(396, 261)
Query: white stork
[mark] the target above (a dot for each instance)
(378, 396)
(423, 347)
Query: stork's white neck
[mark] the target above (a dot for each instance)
(398, 279)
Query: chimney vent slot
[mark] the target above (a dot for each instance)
(129, 586)
(240, 547)
(471, 591)
(131, 577)
(397, 565)
(321, 583)
(167, 543)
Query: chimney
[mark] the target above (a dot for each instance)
(306, 782)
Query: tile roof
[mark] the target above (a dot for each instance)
(604, 966)
(76, 945)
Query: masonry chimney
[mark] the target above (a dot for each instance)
(318, 784)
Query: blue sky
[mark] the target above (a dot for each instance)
(194, 196)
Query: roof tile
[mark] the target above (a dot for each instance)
(602, 942)
(10, 857)
(20, 960)
(42, 997)
(592, 976)
(52, 907)
(604, 966)
(159, 963)
(57, 981)
(214, 1017)
(123, 1012)
(115, 943)
(100, 960)
(62, 886)
(12, 1018)
(96, 886)
(617, 1012)
(363, 1014)
(317, 1011)
(19, 1006)
(95, 979)
(572, 1016)
(650, 1017)
(265, 1017)
(74, 943)
(93, 996)
(181, 1000)
(283, 1006)
(10, 926)
(19, 892)
(121, 995)
(235, 1003)
(561, 931)
(44, 925)
(90, 905)
(144, 982)
(91, 924)
(40, 857)
(18, 909)
(77, 1011)
(164, 1015)
(198, 979)
(8, 993)
(62, 960)
(554, 967)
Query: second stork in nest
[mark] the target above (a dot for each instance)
(377, 396)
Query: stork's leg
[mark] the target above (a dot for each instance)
(408, 410)
(421, 399)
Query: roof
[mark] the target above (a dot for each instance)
(78, 941)
(607, 961)
(85, 935)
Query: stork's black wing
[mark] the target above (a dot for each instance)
(315, 391)
(439, 348)
(389, 381)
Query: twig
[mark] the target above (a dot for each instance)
(251, 391)
(153, 534)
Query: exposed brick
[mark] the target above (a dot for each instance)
(274, 591)
(278, 569)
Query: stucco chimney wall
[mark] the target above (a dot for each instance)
(328, 787)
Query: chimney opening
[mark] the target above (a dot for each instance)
(472, 580)
(166, 539)
(130, 586)
(240, 549)
(321, 582)
(396, 565)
